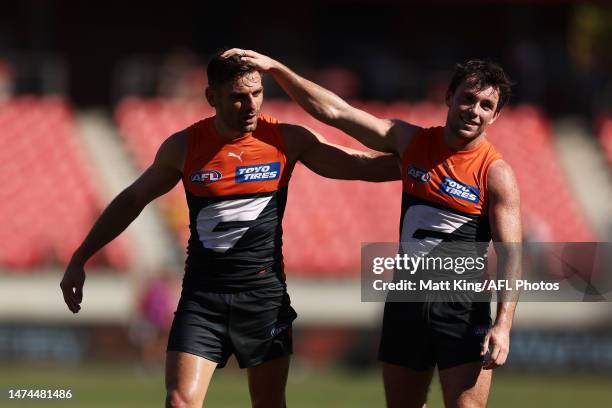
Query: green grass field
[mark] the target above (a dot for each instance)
(132, 386)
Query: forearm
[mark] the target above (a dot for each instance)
(113, 221)
(378, 167)
(505, 314)
(509, 264)
(319, 102)
(329, 108)
(365, 166)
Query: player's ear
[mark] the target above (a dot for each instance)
(494, 118)
(210, 96)
(448, 98)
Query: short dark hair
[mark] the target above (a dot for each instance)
(482, 74)
(220, 70)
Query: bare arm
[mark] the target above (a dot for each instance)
(338, 162)
(505, 218)
(384, 135)
(158, 179)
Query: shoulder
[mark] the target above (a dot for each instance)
(173, 150)
(296, 131)
(501, 181)
(298, 138)
(267, 119)
(403, 134)
(176, 143)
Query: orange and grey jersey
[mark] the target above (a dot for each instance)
(444, 196)
(236, 192)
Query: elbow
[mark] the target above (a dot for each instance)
(132, 200)
(326, 114)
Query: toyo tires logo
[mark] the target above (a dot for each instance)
(460, 190)
(258, 172)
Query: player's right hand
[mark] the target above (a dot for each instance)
(259, 61)
(72, 285)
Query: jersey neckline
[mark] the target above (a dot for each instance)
(464, 152)
(213, 130)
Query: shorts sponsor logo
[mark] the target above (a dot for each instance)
(460, 190)
(481, 330)
(419, 175)
(278, 329)
(205, 176)
(258, 172)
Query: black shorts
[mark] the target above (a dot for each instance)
(253, 325)
(423, 335)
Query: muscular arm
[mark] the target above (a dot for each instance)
(505, 218)
(384, 135)
(338, 162)
(158, 179)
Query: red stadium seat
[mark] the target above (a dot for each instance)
(605, 136)
(49, 198)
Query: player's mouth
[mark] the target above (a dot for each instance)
(469, 123)
(250, 119)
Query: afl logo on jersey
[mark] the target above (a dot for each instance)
(418, 174)
(205, 176)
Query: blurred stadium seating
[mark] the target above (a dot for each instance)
(326, 220)
(605, 136)
(50, 196)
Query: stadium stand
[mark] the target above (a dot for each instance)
(50, 195)
(605, 135)
(326, 220)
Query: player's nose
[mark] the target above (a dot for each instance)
(247, 105)
(472, 109)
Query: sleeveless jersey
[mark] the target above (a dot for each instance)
(444, 197)
(236, 192)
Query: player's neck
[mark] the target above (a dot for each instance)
(225, 131)
(457, 143)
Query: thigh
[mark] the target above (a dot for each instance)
(267, 383)
(405, 337)
(200, 327)
(458, 331)
(466, 385)
(260, 326)
(405, 387)
(187, 378)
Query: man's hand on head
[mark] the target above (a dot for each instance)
(259, 61)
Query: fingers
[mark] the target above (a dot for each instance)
(497, 359)
(501, 359)
(485, 344)
(72, 298)
(249, 60)
(78, 293)
(492, 361)
(230, 52)
(69, 300)
(235, 51)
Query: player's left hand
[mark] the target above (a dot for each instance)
(498, 338)
(259, 61)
